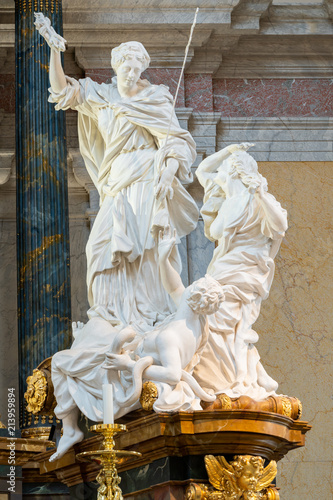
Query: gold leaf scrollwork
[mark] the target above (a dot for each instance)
(286, 407)
(245, 478)
(225, 402)
(196, 492)
(36, 393)
(300, 409)
(148, 396)
(40, 394)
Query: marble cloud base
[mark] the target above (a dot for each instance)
(173, 448)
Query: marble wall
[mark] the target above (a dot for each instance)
(295, 325)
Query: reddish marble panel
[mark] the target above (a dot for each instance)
(273, 97)
(168, 77)
(157, 76)
(199, 92)
(7, 93)
(100, 75)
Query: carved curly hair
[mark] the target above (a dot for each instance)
(206, 295)
(129, 50)
(240, 461)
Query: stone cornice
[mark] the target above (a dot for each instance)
(270, 123)
(247, 14)
(296, 19)
(263, 56)
(92, 58)
(231, 39)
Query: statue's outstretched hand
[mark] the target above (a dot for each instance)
(43, 25)
(117, 361)
(166, 242)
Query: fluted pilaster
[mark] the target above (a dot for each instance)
(42, 201)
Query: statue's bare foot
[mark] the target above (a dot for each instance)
(264, 380)
(69, 438)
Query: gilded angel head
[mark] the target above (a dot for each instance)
(244, 478)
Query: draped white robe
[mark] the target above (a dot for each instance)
(123, 143)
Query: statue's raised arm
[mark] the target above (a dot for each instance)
(43, 25)
(57, 44)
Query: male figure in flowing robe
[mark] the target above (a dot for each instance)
(138, 157)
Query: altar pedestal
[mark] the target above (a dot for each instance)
(173, 448)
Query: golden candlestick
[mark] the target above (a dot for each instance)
(108, 457)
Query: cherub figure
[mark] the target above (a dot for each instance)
(245, 478)
(102, 489)
(168, 353)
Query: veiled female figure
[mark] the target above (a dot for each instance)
(123, 129)
(247, 224)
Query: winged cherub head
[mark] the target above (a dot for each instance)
(248, 470)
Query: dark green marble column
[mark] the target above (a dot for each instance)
(42, 201)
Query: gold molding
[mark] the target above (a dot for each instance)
(283, 405)
(37, 433)
(286, 407)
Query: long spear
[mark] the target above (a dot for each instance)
(161, 156)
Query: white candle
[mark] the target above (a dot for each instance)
(107, 404)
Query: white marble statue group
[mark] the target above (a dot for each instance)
(194, 342)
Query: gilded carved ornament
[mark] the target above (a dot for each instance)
(39, 394)
(286, 406)
(148, 396)
(226, 403)
(245, 478)
(36, 392)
